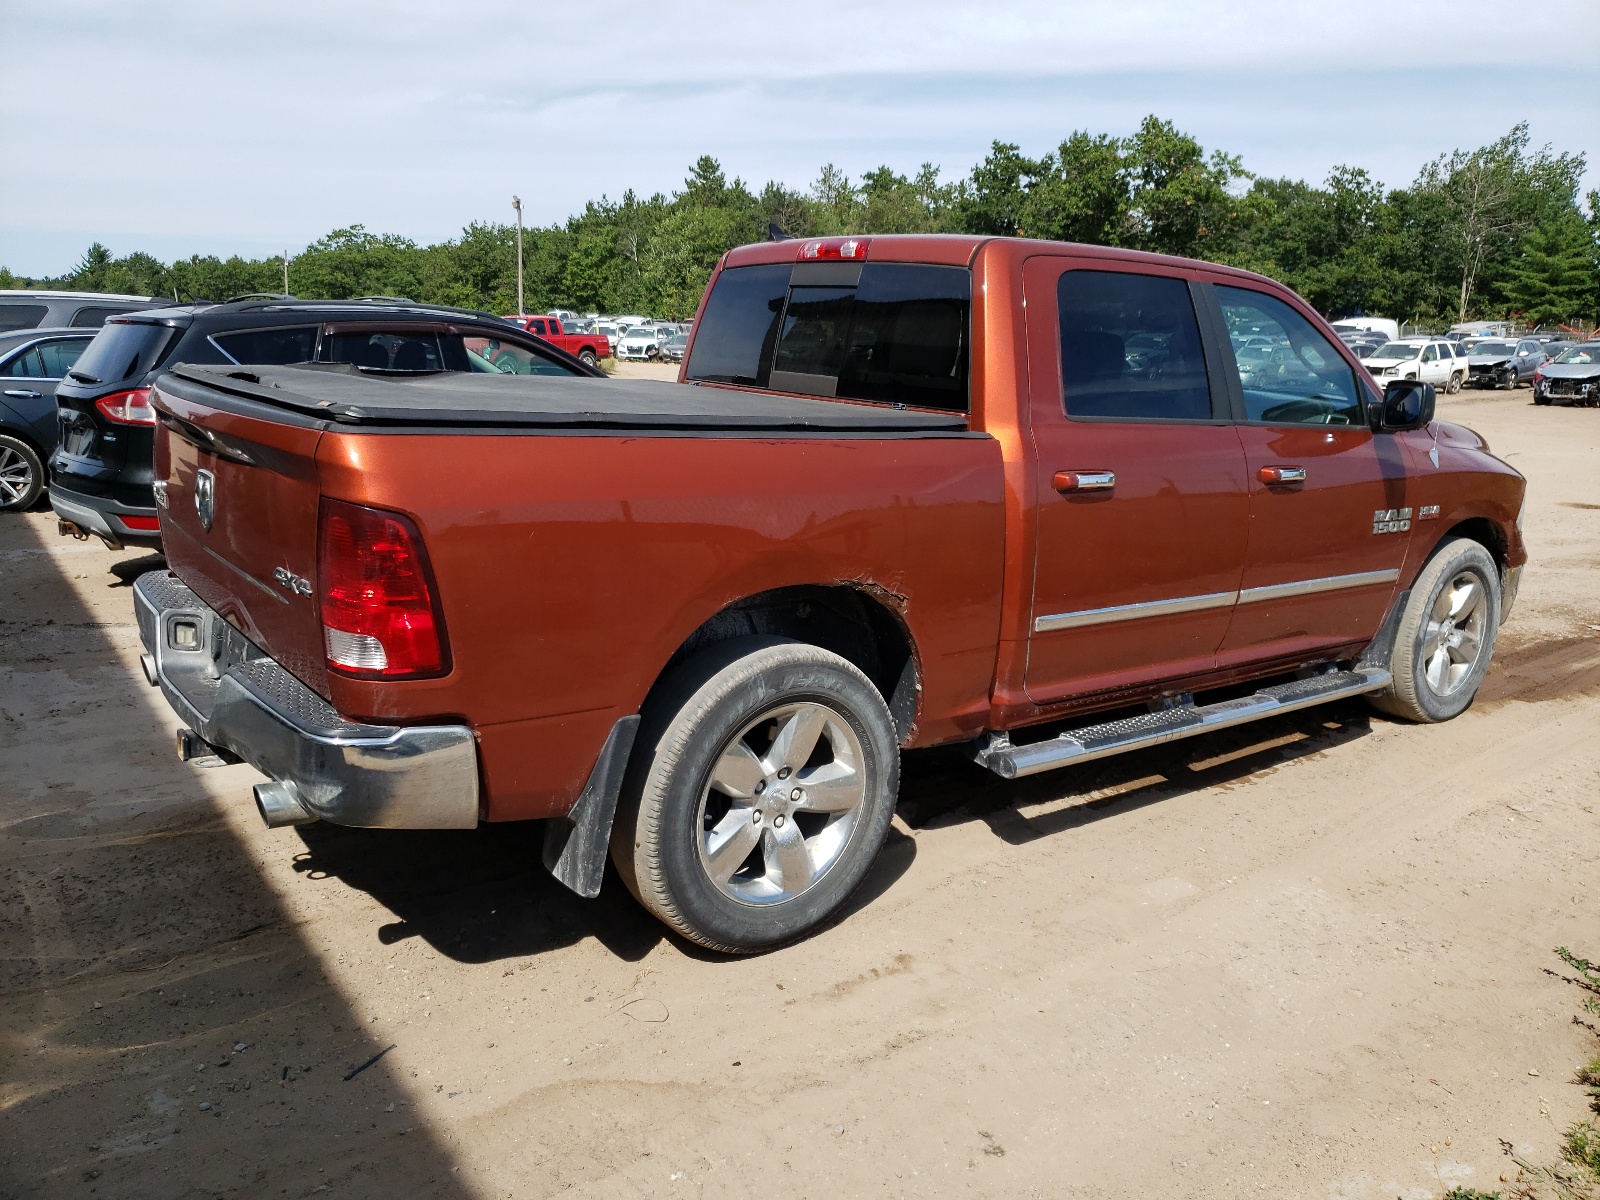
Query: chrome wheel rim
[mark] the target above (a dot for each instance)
(16, 476)
(1454, 634)
(781, 802)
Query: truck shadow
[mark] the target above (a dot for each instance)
(482, 895)
(943, 787)
(166, 1027)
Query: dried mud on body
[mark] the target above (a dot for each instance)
(1300, 959)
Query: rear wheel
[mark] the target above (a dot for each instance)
(21, 475)
(1446, 635)
(761, 790)
(1455, 383)
(587, 358)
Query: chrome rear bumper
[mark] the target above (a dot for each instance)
(322, 766)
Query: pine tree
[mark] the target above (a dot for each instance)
(1554, 277)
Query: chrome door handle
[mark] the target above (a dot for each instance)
(22, 395)
(1084, 481)
(1279, 475)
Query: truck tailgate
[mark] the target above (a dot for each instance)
(239, 521)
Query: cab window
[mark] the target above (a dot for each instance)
(1130, 348)
(1305, 381)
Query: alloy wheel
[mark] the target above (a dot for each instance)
(16, 476)
(781, 802)
(1453, 635)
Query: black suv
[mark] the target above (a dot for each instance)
(101, 471)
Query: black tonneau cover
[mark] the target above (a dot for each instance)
(346, 396)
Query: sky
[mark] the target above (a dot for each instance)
(182, 128)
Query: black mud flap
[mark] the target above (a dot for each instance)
(1381, 648)
(575, 845)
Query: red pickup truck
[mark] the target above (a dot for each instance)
(590, 347)
(909, 491)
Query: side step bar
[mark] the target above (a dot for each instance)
(996, 752)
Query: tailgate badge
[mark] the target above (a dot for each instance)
(205, 498)
(287, 579)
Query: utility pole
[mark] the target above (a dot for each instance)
(516, 203)
(285, 272)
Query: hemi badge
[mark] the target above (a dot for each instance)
(1428, 512)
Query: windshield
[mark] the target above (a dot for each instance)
(1396, 350)
(1587, 355)
(1499, 348)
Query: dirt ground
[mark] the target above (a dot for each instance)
(1309, 958)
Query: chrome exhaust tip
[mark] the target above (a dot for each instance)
(278, 802)
(147, 664)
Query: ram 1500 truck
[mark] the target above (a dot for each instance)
(590, 347)
(908, 491)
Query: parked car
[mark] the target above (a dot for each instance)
(698, 624)
(643, 342)
(1504, 362)
(1429, 360)
(32, 363)
(100, 471)
(590, 347)
(1554, 347)
(674, 348)
(1572, 377)
(23, 309)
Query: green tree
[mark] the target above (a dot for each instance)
(1553, 278)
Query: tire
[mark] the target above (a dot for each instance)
(21, 475)
(1446, 635)
(1455, 383)
(1511, 381)
(699, 835)
(587, 358)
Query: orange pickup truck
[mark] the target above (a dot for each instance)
(908, 491)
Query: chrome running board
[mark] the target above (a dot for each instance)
(996, 751)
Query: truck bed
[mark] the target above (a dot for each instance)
(342, 395)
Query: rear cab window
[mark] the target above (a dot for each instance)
(269, 347)
(883, 332)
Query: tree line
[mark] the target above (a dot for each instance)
(1493, 232)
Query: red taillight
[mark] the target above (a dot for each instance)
(380, 618)
(845, 247)
(127, 408)
(141, 524)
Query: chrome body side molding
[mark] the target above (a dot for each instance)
(1183, 604)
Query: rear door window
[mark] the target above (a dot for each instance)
(387, 351)
(122, 350)
(59, 355)
(1131, 351)
(269, 347)
(94, 316)
(27, 365)
(21, 316)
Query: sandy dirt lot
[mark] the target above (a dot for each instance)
(1309, 958)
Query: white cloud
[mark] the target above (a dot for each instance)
(247, 126)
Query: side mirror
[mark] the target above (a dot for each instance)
(1407, 404)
